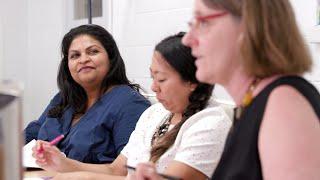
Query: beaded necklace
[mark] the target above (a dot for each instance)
(162, 129)
(247, 99)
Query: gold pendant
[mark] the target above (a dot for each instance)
(247, 99)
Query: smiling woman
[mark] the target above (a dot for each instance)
(88, 61)
(97, 107)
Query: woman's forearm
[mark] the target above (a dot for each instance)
(73, 165)
(116, 168)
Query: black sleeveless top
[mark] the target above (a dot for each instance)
(240, 159)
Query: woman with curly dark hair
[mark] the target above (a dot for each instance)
(97, 107)
(182, 135)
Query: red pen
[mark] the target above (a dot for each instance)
(53, 142)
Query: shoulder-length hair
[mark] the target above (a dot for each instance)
(272, 43)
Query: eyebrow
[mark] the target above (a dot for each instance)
(156, 72)
(73, 50)
(153, 72)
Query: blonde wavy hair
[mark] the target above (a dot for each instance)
(272, 43)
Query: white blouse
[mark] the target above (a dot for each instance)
(199, 143)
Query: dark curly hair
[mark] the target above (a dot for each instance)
(180, 58)
(71, 92)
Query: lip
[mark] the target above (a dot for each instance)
(160, 100)
(197, 62)
(85, 67)
(198, 57)
(195, 54)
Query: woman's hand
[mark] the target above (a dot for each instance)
(144, 171)
(49, 157)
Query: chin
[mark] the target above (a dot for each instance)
(88, 79)
(169, 108)
(166, 107)
(202, 77)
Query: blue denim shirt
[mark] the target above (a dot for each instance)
(101, 133)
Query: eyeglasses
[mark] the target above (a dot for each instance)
(201, 23)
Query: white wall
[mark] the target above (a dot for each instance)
(140, 24)
(30, 34)
(306, 17)
(46, 21)
(14, 39)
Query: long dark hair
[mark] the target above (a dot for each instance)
(180, 58)
(71, 92)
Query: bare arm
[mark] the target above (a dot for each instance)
(117, 167)
(289, 143)
(51, 159)
(179, 169)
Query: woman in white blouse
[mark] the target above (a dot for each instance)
(182, 135)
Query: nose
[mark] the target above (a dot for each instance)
(155, 87)
(84, 58)
(189, 39)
